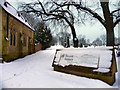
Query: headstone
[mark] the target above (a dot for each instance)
(84, 60)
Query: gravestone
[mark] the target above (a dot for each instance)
(85, 63)
(85, 60)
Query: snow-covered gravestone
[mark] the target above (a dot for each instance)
(96, 63)
(89, 61)
(85, 60)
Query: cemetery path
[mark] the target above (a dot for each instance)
(35, 71)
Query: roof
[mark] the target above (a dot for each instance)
(12, 11)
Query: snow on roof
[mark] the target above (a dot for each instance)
(12, 11)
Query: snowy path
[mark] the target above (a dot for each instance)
(35, 71)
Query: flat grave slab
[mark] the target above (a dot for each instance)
(85, 60)
(97, 63)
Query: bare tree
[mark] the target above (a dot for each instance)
(82, 40)
(62, 11)
(103, 39)
(97, 42)
(109, 20)
(64, 38)
(53, 11)
(117, 40)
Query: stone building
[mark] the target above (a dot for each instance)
(16, 35)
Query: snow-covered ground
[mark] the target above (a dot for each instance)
(36, 71)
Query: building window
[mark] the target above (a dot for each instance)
(7, 25)
(14, 39)
(10, 31)
(24, 41)
(4, 28)
(10, 38)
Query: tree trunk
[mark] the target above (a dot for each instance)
(110, 37)
(109, 25)
(75, 40)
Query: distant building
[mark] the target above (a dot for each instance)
(16, 35)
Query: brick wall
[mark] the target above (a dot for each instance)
(38, 47)
(0, 33)
(22, 42)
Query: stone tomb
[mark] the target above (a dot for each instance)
(82, 64)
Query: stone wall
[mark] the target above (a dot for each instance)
(38, 47)
(22, 42)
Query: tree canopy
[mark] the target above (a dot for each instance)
(69, 12)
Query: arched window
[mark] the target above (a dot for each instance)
(14, 39)
(11, 38)
(24, 41)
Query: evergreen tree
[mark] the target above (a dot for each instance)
(43, 35)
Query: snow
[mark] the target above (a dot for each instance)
(65, 58)
(118, 69)
(103, 70)
(36, 71)
(56, 47)
(11, 10)
(75, 39)
(99, 57)
(6, 39)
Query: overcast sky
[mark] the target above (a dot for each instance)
(90, 31)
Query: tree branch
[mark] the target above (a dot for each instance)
(42, 6)
(115, 11)
(116, 22)
(79, 6)
(54, 18)
(93, 13)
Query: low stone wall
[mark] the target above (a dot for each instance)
(38, 47)
(89, 73)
